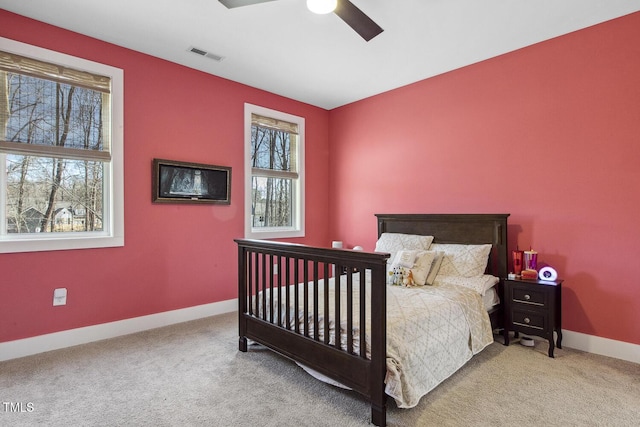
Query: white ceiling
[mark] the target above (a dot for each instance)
(283, 48)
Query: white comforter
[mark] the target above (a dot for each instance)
(432, 331)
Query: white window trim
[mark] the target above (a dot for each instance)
(298, 191)
(113, 213)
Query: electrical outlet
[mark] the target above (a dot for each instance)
(60, 296)
(275, 269)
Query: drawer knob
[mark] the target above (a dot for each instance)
(527, 320)
(527, 297)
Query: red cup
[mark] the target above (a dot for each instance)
(516, 257)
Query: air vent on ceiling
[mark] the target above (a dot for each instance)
(206, 54)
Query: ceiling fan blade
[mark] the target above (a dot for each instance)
(357, 20)
(237, 3)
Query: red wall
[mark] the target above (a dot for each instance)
(549, 134)
(175, 256)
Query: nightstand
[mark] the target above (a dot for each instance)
(533, 307)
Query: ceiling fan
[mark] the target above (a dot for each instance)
(347, 11)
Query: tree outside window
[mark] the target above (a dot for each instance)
(274, 153)
(56, 143)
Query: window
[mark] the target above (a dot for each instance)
(274, 174)
(61, 150)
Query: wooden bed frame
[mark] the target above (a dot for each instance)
(267, 268)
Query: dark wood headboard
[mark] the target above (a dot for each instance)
(472, 229)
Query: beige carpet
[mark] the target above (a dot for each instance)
(193, 375)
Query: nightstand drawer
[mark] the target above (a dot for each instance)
(529, 319)
(530, 295)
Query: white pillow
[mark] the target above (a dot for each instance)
(435, 267)
(419, 262)
(394, 242)
(479, 284)
(463, 260)
(422, 266)
(404, 259)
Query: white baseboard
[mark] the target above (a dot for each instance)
(39, 344)
(602, 346)
(29, 346)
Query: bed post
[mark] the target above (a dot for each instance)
(242, 297)
(378, 345)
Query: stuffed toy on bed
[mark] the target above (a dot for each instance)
(408, 278)
(395, 276)
(401, 276)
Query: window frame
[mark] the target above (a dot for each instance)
(113, 209)
(298, 216)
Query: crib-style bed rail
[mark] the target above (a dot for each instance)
(302, 322)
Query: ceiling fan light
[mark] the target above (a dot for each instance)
(322, 6)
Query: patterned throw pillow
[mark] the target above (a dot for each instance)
(394, 242)
(463, 260)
